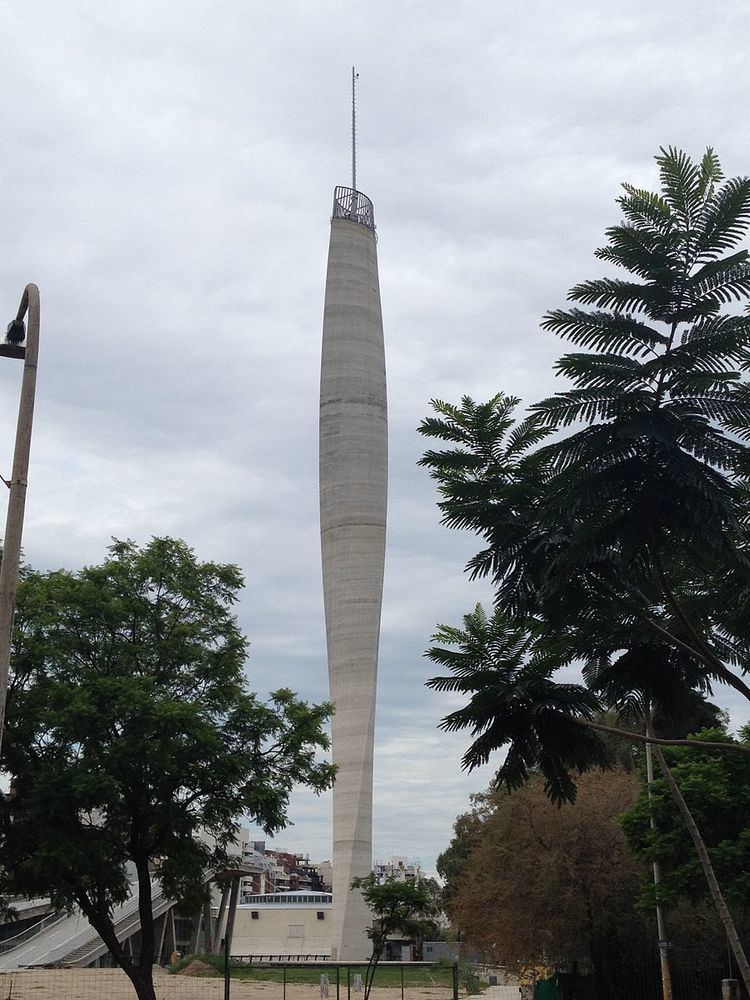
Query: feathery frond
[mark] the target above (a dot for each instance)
(615, 518)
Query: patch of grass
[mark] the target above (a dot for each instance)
(385, 976)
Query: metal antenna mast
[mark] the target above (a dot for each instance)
(354, 129)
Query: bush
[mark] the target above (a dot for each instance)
(215, 961)
(468, 978)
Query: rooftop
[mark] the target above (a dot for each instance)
(307, 897)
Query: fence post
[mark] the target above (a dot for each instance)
(402, 981)
(227, 987)
(455, 981)
(284, 982)
(338, 976)
(348, 983)
(730, 989)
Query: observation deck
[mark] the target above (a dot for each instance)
(354, 206)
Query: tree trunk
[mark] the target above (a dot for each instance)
(101, 921)
(142, 977)
(371, 967)
(145, 913)
(713, 886)
(143, 982)
(664, 963)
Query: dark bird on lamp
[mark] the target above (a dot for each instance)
(16, 332)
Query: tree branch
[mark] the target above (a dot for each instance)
(639, 738)
(712, 662)
(532, 827)
(677, 608)
(102, 924)
(708, 659)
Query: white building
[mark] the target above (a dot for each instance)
(281, 924)
(399, 868)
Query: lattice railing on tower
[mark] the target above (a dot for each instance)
(353, 205)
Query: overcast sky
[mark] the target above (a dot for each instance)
(166, 178)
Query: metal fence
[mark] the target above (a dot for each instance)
(253, 980)
(345, 980)
(242, 980)
(635, 974)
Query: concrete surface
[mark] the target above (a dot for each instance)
(353, 494)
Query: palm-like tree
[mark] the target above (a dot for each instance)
(514, 702)
(491, 481)
(506, 668)
(636, 512)
(614, 518)
(660, 413)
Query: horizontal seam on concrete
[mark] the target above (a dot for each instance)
(352, 524)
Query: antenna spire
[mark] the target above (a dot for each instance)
(355, 76)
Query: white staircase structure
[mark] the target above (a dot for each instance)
(70, 940)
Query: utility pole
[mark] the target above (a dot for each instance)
(15, 348)
(666, 971)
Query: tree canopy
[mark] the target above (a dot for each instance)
(717, 790)
(404, 908)
(529, 885)
(614, 515)
(133, 741)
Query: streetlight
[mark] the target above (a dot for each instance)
(14, 347)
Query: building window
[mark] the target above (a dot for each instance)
(296, 930)
(321, 915)
(253, 914)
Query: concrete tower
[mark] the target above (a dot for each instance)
(353, 488)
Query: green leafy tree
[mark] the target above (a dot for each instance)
(717, 790)
(614, 517)
(407, 909)
(467, 833)
(529, 884)
(132, 740)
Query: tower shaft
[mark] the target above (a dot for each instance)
(353, 491)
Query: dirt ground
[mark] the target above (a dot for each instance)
(113, 984)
